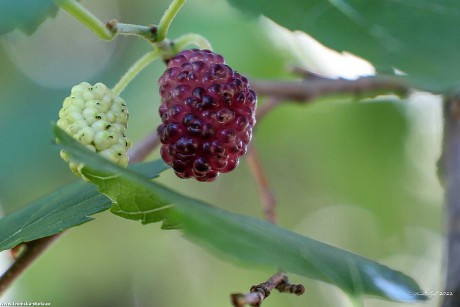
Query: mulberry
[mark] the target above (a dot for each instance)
(208, 113)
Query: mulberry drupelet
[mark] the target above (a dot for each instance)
(208, 113)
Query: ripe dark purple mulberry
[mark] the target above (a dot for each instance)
(208, 112)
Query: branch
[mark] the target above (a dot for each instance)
(451, 167)
(143, 148)
(269, 104)
(26, 257)
(308, 90)
(261, 291)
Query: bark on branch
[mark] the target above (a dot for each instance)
(307, 90)
(451, 170)
(31, 251)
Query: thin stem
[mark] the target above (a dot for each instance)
(147, 32)
(167, 18)
(87, 18)
(451, 170)
(269, 104)
(143, 148)
(266, 196)
(192, 39)
(135, 69)
(32, 250)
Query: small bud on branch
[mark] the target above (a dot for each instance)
(261, 291)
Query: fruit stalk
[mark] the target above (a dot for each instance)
(192, 39)
(167, 18)
(135, 69)
(87, 18)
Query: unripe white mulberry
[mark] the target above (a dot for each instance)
(98, 120)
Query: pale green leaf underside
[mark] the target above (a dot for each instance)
(419, 37)
(67, 207)
(240, 237)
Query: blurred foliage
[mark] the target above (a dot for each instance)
(341, 171)
(24, 15)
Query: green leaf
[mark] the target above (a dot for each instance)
(417, 37)
(67, 207)
(259, 242)
(240, 237)
(131, 193)
(132, 197)
(25, 14)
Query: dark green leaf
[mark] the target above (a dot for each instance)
(415, 36)
(25, 14)
(259, 242)
(241, 237)
(67, 207)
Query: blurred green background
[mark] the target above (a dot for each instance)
(358, 175)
